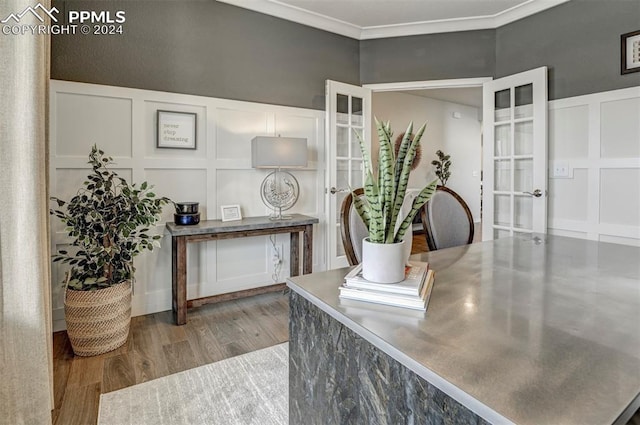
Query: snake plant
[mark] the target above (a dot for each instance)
(384, 195)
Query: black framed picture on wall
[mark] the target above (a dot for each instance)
(176, 130)
(630, 52)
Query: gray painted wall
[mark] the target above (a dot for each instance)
(428, 57)
(579, 41)
(207, 48)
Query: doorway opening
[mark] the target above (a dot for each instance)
(453, 112)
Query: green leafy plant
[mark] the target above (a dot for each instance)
(442, 166)
(384, 196)
(108, 221)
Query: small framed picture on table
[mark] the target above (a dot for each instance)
(231, 212)
(630, 52)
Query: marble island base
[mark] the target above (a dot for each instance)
(337, 377)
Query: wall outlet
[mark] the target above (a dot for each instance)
(560, 170)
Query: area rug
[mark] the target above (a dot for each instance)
(248, 389)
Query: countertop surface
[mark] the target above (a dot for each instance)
(533, 330)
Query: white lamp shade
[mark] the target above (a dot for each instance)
(278, 152)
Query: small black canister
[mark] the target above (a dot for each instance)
(186, 213)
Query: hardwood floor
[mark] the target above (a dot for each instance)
(420, 240)
(156, 348)
(419, 244)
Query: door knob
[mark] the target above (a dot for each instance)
(537, 193)
(333, 190)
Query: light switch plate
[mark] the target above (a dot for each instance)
(560, 170)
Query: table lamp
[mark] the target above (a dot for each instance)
(280, 189)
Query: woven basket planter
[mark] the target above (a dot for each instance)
(98, 321)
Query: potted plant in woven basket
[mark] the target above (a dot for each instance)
(383, 252)
(108, 221)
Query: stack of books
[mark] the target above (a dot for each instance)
(413, 292)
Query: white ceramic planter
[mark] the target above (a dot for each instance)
(383, 262)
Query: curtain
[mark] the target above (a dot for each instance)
(25, 295)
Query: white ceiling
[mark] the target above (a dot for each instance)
(366, 19)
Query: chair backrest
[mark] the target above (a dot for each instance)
(352, 229)
(447, 220)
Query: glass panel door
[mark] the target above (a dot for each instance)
(515, 163)
(348, 117)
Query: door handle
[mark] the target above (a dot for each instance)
(536, 193)
(333, 190)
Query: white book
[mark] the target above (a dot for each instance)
(408, 301)
(412, 284)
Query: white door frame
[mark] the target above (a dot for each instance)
(399, 86)
(429, 84)
(456, 83)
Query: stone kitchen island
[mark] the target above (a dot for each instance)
(532, 330)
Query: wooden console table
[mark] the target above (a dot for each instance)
(216, 229)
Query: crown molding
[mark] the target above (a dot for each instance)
(523, 10)
(426, 27)
(326, 23)
(298, 15)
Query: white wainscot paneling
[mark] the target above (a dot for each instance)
(185, 185)
(58, 275)
(620, 240)
(300, 126)
(620, 128)
(599, 137)
(150, 121)
(620, 196)
(67, 183)
(307, 199)
(243, 263)
(83, 120)
(217, 173)
(568, 198)
(568, 233)
(152, 288)
(158, 263)
(241, 187)
(201, 265)
(234, 131)
(569, 132)
(153, 274)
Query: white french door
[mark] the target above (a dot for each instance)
(348, 114)
(514, 198)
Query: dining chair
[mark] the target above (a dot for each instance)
(447, 220)
(352, 229)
